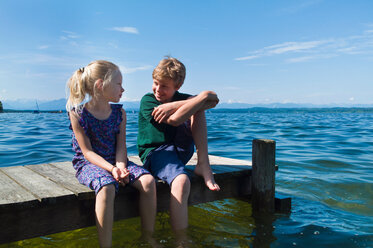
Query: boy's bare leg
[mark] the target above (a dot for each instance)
(199, 132)
(148, 202)
(148, 206)
(104, 209)
(180, 189)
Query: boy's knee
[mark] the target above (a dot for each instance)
(148, 183)
(199, 115)
(181, 184)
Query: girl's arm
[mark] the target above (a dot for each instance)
(86, 147)
(121, 149)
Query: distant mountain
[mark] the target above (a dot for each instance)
(289, 105)
(28, 104)
(135, 105)
(52, 105)
(59, 104)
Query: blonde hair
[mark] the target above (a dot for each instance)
(82, 83)
(170, 68)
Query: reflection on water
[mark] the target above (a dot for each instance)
(225, 223)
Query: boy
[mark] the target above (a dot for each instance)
(170, 123)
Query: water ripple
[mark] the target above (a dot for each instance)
(325, 164)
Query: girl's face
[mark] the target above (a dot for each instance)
(113, 90)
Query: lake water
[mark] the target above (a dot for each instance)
(325, 165)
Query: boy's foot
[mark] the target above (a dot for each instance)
(147, 237)
(206, 173)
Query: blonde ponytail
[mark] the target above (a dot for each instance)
(77, 90)
(82, 82)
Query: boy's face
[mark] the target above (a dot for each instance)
(164, 89)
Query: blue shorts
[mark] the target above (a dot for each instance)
(168, 161)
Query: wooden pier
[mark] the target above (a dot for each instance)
(37, 200)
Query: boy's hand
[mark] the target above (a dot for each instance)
(211, 99)
(121, 175)
(162, 112)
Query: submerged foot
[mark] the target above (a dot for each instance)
(148, 238)
(205, 172)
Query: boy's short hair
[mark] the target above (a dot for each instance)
(170, 68)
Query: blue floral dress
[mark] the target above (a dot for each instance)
(102, 135)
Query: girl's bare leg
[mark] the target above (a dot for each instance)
(105, 214)
(199, 132)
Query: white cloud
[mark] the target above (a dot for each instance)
(42, 47)
(351, 50)
(128, 70)
(70, 35)
(300, 59)
(231, 88)
(130, 30)
(294, 46)
(286, 47)
(113, 45)
(128, 99)
(317, 49)
(247, 57)
(230, 101)
(301, 5)
(351, 99)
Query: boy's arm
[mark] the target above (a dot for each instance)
(183, 110)
(163, 111)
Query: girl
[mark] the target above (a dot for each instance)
(99, 140)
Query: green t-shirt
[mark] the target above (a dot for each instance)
(151, 134)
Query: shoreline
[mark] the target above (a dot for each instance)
(33, 111)
(238, 110)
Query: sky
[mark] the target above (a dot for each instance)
(288, 51)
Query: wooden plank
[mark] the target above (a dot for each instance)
(62, 178)
(66, 166)
(12, 193)
(216, 160)
(232, 184)
(217, 169)
(264, 157)
(44, 218)
(74, 212)
(282, 203)
(227, 161)
(41, 187)
(135, 159)
(229, 168)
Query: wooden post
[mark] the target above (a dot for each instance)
(263, 175)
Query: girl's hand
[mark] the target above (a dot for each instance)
(162, 112)
(121, 175)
